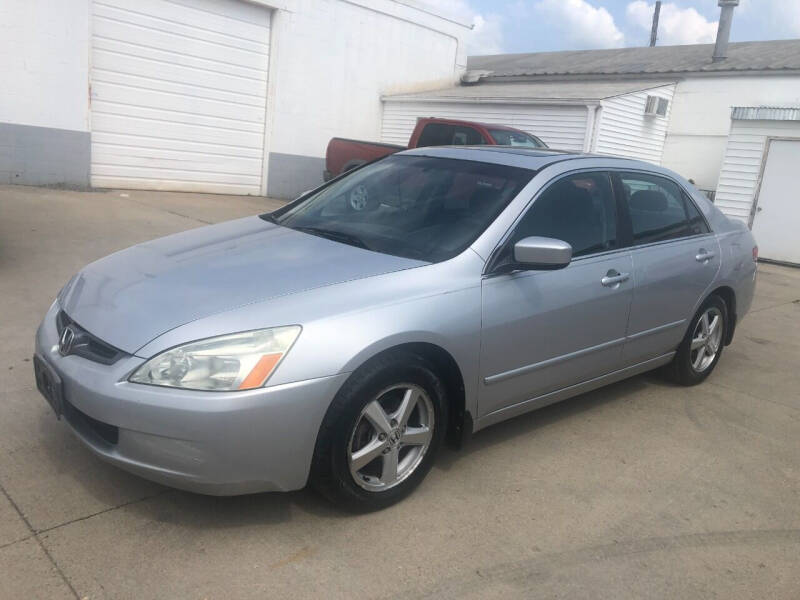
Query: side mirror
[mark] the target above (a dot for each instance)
(542, 253)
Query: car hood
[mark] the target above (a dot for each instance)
(132, 296)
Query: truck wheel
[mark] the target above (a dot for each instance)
(358, 198)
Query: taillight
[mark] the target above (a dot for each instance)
(755, 253)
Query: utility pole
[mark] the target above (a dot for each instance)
(654, 30)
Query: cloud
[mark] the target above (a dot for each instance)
(780, 17)
(486, 36)
(581, 24)
(675, 25)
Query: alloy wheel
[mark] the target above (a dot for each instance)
(390, 437)
(706, 339)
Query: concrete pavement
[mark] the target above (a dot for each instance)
(641, 489)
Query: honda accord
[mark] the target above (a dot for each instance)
(341, 339)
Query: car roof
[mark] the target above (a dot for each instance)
(481, 123)
(534, 159)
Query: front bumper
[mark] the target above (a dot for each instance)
(220, 443)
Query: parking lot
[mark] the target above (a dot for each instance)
(641, 489)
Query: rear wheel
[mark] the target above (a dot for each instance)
(381, 433)
(702, 346)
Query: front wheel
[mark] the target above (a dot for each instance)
(381, 433)
(702, 346)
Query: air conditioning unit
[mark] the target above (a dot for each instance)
(656, 106)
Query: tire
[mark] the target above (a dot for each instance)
(688, 367)
(359, 199)
(348, 427)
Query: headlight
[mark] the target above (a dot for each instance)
(241, 361)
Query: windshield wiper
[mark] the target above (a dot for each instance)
(336, 236)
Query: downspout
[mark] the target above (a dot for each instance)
(591, 124)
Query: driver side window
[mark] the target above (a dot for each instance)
(579, 209)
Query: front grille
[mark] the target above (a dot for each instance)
(84, 343)
(89, 426)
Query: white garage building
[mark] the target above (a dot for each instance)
(758, 182)
(226, 96)
(588, 116)
(671, 105)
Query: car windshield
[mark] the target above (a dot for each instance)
(504, 137)
(418, 207)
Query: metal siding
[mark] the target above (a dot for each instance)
(741, 166)
(179, 94)
(765, 113)
(624, 129)
(561, 127)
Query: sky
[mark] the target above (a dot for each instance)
(502, 26)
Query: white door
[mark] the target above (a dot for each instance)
(777, 217)
(178, 94)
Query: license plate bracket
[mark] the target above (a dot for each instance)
(49, 384)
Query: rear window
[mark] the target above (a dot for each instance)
(446, 134)
(418, 207)
(504, 137)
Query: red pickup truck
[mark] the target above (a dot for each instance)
(344, 154)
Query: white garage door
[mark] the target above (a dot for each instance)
(178, 94)
(777, 218)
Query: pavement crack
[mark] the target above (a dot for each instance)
(102, 512)
(35, 535)
(166, 210)
(7, 544)
(774, 306)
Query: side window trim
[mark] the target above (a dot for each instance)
(491, 263)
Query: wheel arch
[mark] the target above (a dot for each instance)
(728, 296)
(459, 424)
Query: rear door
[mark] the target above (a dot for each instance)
(675, 260)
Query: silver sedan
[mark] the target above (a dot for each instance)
(341, 339)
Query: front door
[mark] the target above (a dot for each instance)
(777, 217)
(546, 330)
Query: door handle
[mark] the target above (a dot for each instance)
(614, 278)
(703, 255)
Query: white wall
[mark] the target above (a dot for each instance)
(624, 129)
(562, 127)
(335, 58)
(701, 112)
(44, 57)
(741, 166)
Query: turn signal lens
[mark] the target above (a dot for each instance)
(241, 361)
(755, 253)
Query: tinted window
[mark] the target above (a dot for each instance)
(504, 137)
(445, 134)
(413, 206)
(579, 209)
(697, 224)
(656, 208)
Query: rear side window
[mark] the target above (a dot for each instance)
(656, 207)
(578, 209)
(697, 224)
(445, 134)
